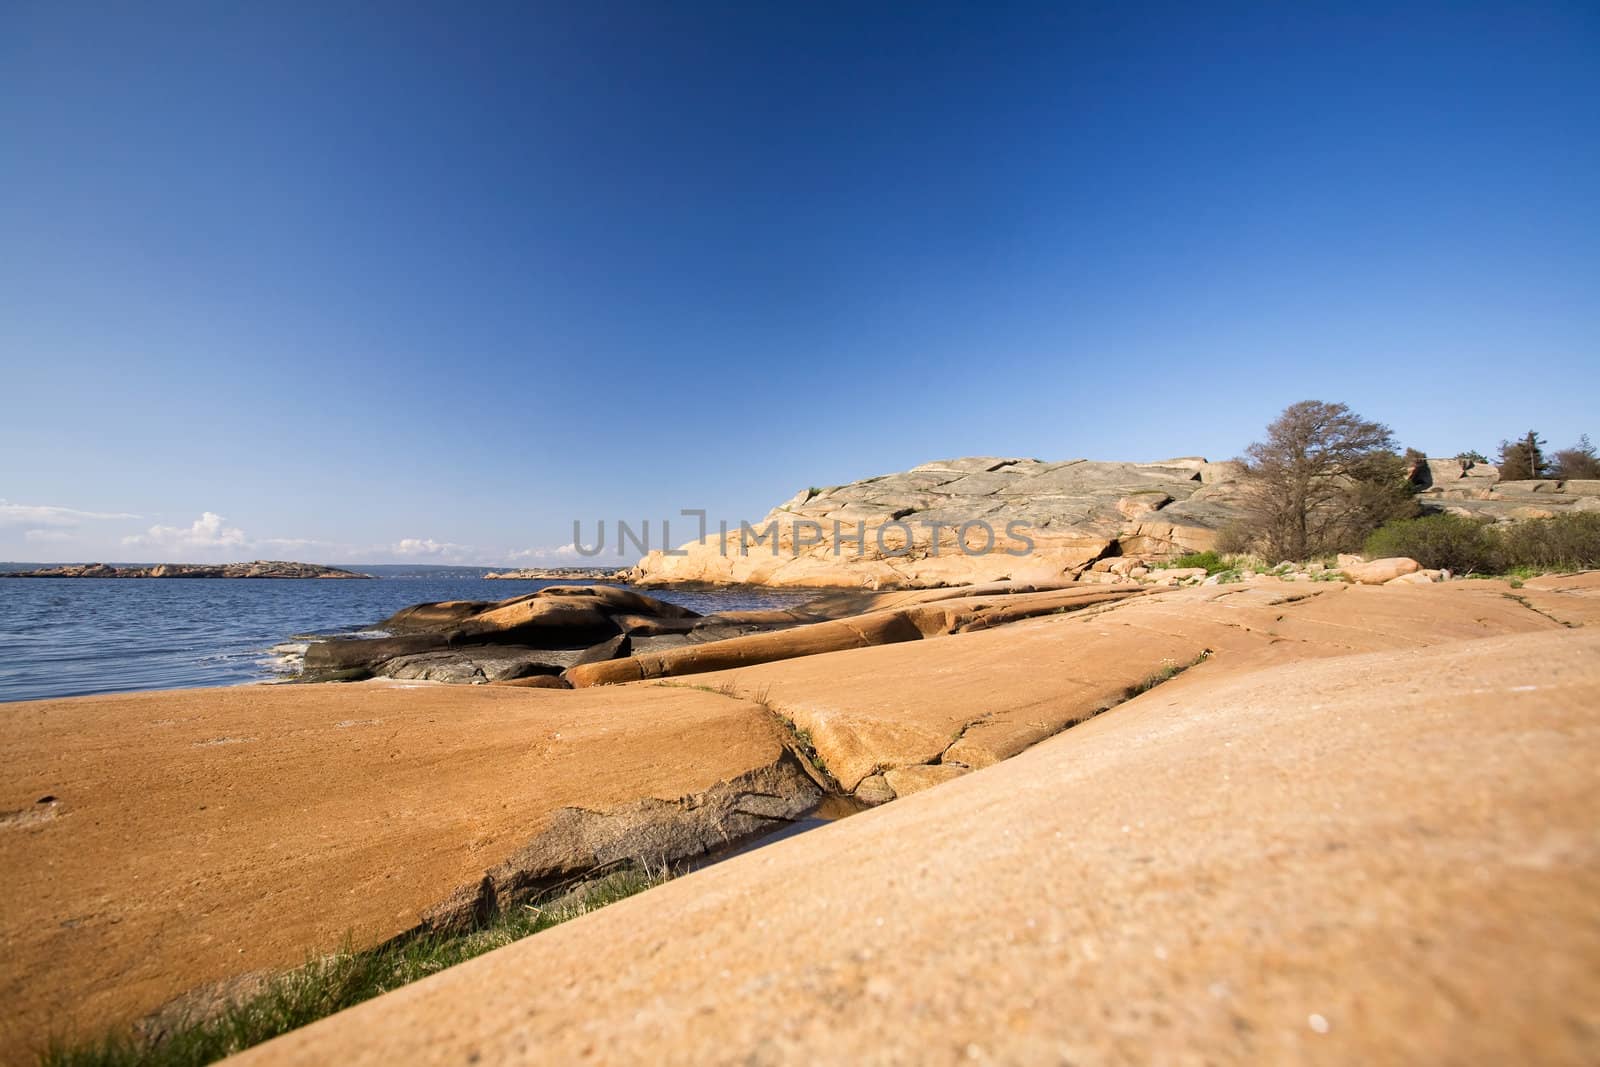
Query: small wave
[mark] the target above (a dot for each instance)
(284, 660)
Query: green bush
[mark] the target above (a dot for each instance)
(1438, 541)
(1562, 543)
(1213, 563)
(1467, 546)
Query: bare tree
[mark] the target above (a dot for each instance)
(1322, 480)
(1579, 461)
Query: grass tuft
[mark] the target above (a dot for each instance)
(1169, 670)
(332, 983)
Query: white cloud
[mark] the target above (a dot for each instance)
(560, 554)
(207, 531)
(427, 546)
(43, 516)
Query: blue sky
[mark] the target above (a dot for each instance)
(366, 282)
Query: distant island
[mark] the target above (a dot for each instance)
(260, 568)
(599, 574)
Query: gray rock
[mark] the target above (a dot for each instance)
(477, 664)
(611, 648)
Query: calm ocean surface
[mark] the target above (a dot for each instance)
(69, 636)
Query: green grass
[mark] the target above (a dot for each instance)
(332, 983)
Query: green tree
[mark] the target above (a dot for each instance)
(1523, 459)
(1323, 479)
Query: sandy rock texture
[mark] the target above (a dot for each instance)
(979, 697)
(1381, 857)
(160, 842)
(156, 842)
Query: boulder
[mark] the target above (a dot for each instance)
(356, 656)
(874, 790)
(652, 626)
(546, 621)
(445, 615)
(611, 600)
(536, 681)
(475, 665)
(609, 649)
(1379, 571)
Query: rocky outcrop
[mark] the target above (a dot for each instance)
(944, 612)
(1380, 857)
(987, 518)
(967, 521)
(541, 633)
(649, 832)
(171, 841)
(160, 842)
(259, 569)
(1476, 490)
(559, 574)
(986, 693)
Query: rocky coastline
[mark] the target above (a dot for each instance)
(987, 518)
(679, 734)
(257, 569)
(562, 574)
(1101, 719)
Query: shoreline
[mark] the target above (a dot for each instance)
(741, 746)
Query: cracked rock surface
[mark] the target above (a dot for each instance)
(160, 843)
(978, 697)
(1381, 857)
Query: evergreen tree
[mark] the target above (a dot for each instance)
(1523, 459)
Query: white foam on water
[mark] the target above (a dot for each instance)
(285, 660)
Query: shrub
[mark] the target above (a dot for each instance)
(1438, 541)
(1213, 563)
(1561, 543)
(1524, 548)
